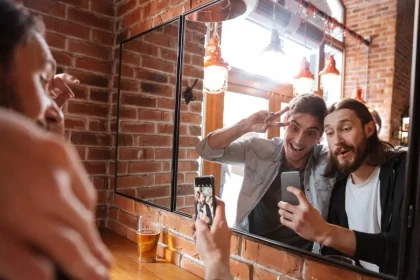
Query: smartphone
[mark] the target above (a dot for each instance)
(290, 179)
(205, 202)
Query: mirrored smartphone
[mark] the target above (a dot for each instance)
(205, 203)
(290, 179)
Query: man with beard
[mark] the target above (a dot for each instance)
(364, 216)
(266, 159)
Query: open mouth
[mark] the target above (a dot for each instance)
(295, 148)
(344, 153)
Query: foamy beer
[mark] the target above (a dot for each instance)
(147, 239)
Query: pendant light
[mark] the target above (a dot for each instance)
(275, 47)
(304, 80)
(330, 73)
(215, 68)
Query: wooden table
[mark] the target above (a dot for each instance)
(127, 267)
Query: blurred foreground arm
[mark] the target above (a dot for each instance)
(46, 207)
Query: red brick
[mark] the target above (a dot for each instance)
(129, 85)
(142, 26)
(124, 203)
(88, 49)
(94, 65)
(102, 7)
(154, 115)
(148, 75)
(163, 153)
(47, 6)
(272, 258)
(157, 64)
(101, 211)
(193, 267)
(316, 270)
(140, 47)
(55, 40)
(98, 125)
(88, 109)
(113, 213)
(138, 100)
(192, 154)
(66, 28)
(162, 179)
(235, 242)
(100, 183)
(81, 151)
(190, 200)
(131, 58)
(131, 18)
(194, 72)
(99, 95)
(102, 37)
(125, 7)
(132, 181)
(89, 19)
(145, 167)
(165, 202)
(166, 104)
(125, 140)
(178, 223)
(261, 274)
(79, 92)
(62, 58)
(165, 129)
(155, 7)
(188, 141)
(75, 123)
(126, 153)
(89, 138)
(147, 193)
(170, 55)
(98, 153)
(128, 220)
(157, 89)
(78, 3)
(137, 127)
(125, 113)
(95, 167)
(89, 78)
(118, 228)
(187, 166)
(191, 118)
(240, 270)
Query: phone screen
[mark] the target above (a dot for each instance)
(290, 179)
(204, 199)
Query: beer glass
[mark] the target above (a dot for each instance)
(147, 239)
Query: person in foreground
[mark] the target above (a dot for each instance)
(364, 215)
(266, 159)
(214, 244)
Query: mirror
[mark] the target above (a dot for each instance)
(248, 175)
(147, 94)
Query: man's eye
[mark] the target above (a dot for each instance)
(329, 133)
(346, 129)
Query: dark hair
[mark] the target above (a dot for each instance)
(311, 104)
(16, 26)
(378, 151)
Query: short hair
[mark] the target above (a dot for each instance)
(378, 151)
(17, 24)
(311, 104)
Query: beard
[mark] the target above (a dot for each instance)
(346, 167)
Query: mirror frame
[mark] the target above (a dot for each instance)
(175, 136)
(410, 233)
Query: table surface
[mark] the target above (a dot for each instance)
(127, 267)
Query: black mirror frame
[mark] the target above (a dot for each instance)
(410, 231)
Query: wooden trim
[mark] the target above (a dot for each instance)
(274, 105)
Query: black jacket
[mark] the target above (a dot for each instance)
(382, 248)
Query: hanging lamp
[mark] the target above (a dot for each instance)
(275, 47)
(215, 68)
(304, 80)
(330, 73)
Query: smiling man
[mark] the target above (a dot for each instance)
(266, 159)
(364, 216)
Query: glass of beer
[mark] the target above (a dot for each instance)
(147, 239)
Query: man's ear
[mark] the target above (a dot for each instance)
(370, 128)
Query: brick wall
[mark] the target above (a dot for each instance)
(80, 34)
(389, 58)
(148, 102)
(249, 259)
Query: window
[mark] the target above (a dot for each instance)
(332, 90)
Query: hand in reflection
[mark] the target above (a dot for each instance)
(46, 207)
(260, 121)
(304, 219)
(59, 89)
(214, 244)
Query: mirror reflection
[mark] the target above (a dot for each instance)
(146, 115)
(303, 126)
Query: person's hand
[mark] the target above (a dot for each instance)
(214, 244)
(260, 121)
(304, 219)
(46, 207)
(59, 89)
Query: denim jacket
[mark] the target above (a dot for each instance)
(262, 159)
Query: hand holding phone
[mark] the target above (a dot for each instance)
(290, 179)
(204, 199)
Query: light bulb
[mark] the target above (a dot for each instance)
(215, 78)
(329, 79)
(303, 85)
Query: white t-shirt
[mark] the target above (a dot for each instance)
(363, 208)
